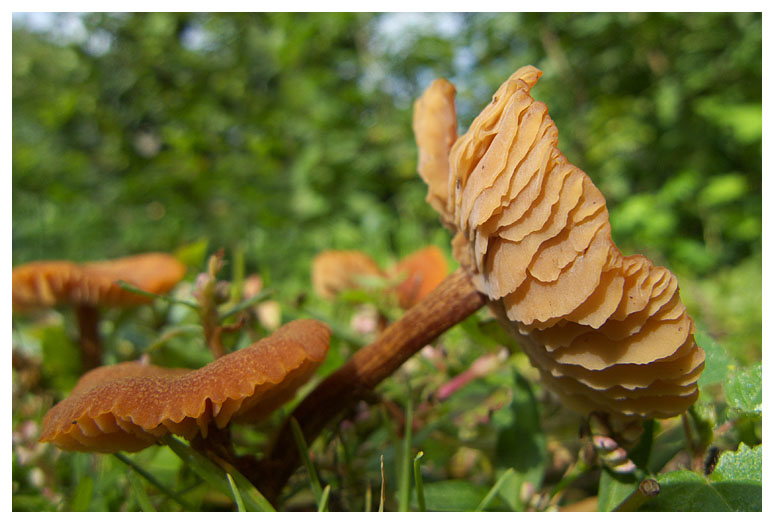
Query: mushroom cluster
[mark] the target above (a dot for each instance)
(129, 406)
(608, 332)
(334, 271)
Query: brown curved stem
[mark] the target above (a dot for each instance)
(89, 334)
(451, 302)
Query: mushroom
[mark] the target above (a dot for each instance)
(129, 406)
(423, 271)
(607, 332)
(87, 286)
(334, 271)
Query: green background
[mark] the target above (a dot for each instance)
(287, 134)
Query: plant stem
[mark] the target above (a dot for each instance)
(89, 334)
(452, 301)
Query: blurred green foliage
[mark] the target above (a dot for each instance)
(287, 134)
(280, 135)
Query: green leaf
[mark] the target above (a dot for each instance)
(494, 490)
(143, 501)
(613, 489)
(457, 495)
(82, 497)
(418, 484)
(404, 470)
(323, 505)
(301, 445)
(745, 464)
(215, 475)
(520, 442)
(735, 485)
(235, 493)
(687, 491)
(743, 390)
(193, 254)
(158, 462)
(723, 189)
(61, 363)
(718, 363)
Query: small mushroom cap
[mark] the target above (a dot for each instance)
(130, 405)
(435, 127)
(424, 270)
(608, 332)
(334, 271)
(45, 284)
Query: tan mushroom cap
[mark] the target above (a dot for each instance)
(130, 405)
(435, 126)
(608, 332)
(334, 271)
(48, 283)
(424, 270)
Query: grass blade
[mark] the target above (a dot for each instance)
(150, 478)
(213, 474)
(494, 490)
(143, 501)
(382, 490)
(235, 492)
(298, 436)
(367, 503)
(418, 482)
(404, 484)
(247, 303)
(323, 505)
(128, 287)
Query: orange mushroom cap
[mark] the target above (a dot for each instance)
(608, 332)
(48, 283)
(334, 271)
(130, 405)
(424, 270)
(435, 128)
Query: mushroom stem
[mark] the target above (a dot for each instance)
(452, 301)
(89, 334)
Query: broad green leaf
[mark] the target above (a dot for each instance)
(666, 445)
(743, 390)
(456, 495)
(688, 491)
(745, 464)
(735, 485)
(614, 489)
(520, 442)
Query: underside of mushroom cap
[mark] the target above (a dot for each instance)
(45, 284)
(532, 230)
(130, 405)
